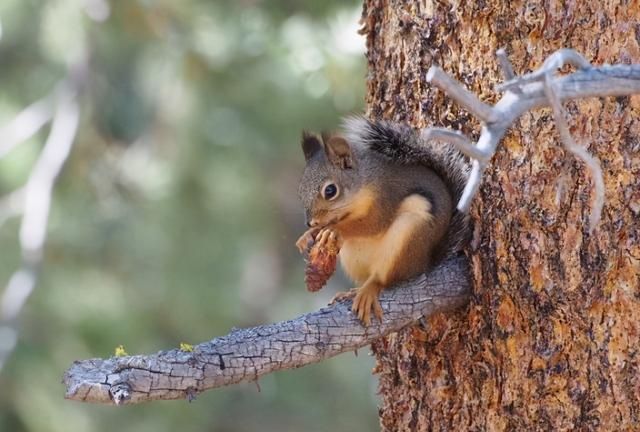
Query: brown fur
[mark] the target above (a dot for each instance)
(391, 218)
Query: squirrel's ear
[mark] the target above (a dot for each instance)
(339, 152)
(311, 145)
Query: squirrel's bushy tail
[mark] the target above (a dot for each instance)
(402, 144)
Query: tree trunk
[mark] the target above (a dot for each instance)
(551, 338)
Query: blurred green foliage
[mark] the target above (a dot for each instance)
(176, 216)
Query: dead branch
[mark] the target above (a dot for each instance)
(580, 152)
(537, 89)
(26, 124)
(245, 355)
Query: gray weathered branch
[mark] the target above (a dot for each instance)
(528, 92)
(245, 355)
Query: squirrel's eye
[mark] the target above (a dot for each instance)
(330, 191)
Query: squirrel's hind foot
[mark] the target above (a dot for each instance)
(345, 295)
(365, 302)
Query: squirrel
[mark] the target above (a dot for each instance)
(388, 199)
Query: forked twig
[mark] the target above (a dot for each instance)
(25, 124)
(580, 152)
(531, 91)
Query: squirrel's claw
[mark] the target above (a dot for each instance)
(306, 240)
(346, 295)
(320, 236)
(327, 235)
(364, 302)
(323, 237)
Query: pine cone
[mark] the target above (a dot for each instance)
(321, 264)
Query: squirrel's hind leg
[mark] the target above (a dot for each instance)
(402, 253)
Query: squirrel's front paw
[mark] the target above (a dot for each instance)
(327, 236)
(364, 302)
(306, 240)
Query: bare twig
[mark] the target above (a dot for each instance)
(505, 65)
(48, 166)
(580, 152)
(528, 92)
(463, 96)
(11, 205)
(245, 355)
(25, 124)
(455, 138)
(556, 61)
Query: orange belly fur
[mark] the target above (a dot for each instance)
(359, 255)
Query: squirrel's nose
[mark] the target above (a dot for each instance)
(310, 221)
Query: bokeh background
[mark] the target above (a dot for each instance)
(175, 217)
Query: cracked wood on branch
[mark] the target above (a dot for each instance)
(245, 355)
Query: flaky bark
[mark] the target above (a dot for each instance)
(550, 339)
(247, 354)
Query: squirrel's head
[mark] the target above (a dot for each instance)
(330, 179)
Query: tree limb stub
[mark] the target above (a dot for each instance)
(246, 354)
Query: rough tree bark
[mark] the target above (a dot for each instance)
(550, 339)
